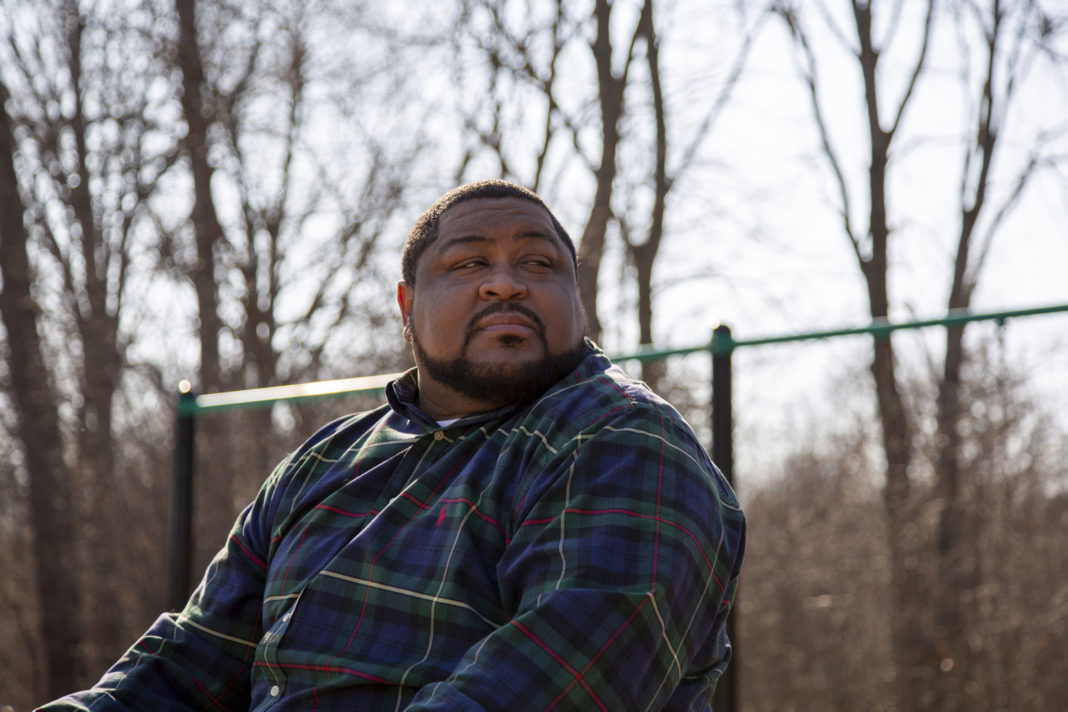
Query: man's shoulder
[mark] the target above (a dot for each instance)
(603, 415)
(598, 392)
(341, 433)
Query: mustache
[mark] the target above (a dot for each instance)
(504, 308)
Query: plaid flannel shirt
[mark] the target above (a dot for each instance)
(576, 553)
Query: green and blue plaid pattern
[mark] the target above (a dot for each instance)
(577, 553)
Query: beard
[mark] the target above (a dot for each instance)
(501, 383)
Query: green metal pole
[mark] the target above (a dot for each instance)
(181, 545)
(726, 695)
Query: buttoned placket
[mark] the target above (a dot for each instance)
(270, 644)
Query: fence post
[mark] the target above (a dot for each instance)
(726, 695)
(181, 555)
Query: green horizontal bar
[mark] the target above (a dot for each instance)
(720, 344)
(883, 327)
(657, 354)
(258, 397)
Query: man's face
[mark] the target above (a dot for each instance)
(494, 313)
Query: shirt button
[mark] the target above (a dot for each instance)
(438, 435)
(285, 618)
(276, 691)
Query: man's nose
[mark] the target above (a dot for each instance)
(503, 283)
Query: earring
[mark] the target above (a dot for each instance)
(407, 332)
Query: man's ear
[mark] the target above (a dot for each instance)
(405, 293)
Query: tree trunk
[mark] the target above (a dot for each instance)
(591, 246)
(206, 227)
(957, 564)
(213, 489)
(644, 255)
(100, 367)
(957, 569)
(51, 506)
(909, 634)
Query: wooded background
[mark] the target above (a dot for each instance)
(218, 190)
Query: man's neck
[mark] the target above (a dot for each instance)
(443, 403)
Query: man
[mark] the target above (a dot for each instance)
(521, 527)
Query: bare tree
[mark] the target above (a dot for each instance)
(811, 628)
(1004, 40)
(138, 158)
(208, 234)
(601, 118)
(268, 101)
(814, 628)
(293, 200)
(87, 162)
(670, 167)
(51, 510)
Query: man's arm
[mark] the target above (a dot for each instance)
(620, 575)
(199, 658)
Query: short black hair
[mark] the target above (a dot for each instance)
(425, 230)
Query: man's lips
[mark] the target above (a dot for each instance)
(506, 322)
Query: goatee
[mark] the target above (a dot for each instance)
(501, 384)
